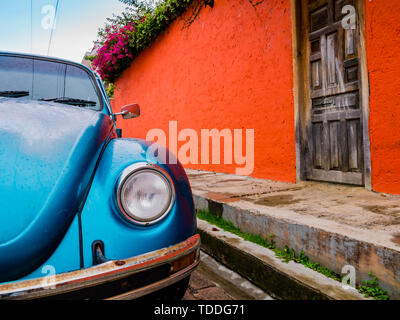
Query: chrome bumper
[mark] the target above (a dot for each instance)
(110, 272)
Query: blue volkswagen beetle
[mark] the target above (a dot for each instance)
(84, 214)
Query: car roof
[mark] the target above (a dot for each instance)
(30, 55)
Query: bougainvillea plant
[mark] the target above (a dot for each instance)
(115, 53)
(129, 34)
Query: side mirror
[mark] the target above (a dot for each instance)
(129, 111)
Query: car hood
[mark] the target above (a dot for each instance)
(48, 152)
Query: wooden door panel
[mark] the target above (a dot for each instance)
(319, 18)
(350, 44)
(335, 145)
(331, 59)
(335, 139)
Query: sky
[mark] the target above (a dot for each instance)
(75, 26)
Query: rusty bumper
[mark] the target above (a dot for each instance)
(117, 279)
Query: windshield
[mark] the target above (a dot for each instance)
(35, 79)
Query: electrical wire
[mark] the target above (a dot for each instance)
(31, 25)
(52, 28)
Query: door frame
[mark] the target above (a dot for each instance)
(301, 92)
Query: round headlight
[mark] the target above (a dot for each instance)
(145, 194)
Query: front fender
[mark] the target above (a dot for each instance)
(102, 220)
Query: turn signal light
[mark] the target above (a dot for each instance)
(183, 262)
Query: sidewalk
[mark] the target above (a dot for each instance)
(334, 225)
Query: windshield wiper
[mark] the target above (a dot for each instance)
(71, 101)
(14, 94)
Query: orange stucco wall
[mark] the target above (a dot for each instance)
(383, 55)
(231, 69)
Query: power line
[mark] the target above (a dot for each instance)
(31, 25)
(52, 28)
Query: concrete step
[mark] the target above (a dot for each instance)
(287, 281)
(303, 217)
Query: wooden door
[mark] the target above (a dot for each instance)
(334, 140)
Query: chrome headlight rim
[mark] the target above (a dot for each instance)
(133, 170)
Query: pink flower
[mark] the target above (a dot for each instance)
(114, 51)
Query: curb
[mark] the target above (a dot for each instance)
(287, 281)
(328, 245)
